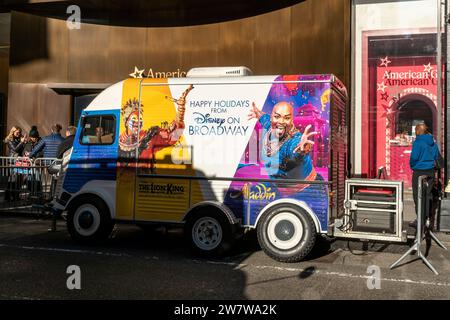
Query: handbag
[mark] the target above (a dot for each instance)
(54, 168)
(23, 163)
(439, 162)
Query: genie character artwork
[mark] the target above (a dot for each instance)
(284, 149)
(290, 136)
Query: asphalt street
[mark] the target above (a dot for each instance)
(134, 264)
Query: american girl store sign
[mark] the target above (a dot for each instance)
(405, 95)
(411, 78)
(140, 73)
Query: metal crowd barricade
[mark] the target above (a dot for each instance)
(423, 226)
(25, 182)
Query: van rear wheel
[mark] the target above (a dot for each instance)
(88, 220)
(286, 233)
(209, 233)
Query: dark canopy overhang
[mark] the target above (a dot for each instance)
(149, 13)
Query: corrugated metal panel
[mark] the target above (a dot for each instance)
(161, 199)
(338, 153)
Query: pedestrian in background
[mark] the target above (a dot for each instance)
(68, 141)
(33, 178)
(33, 140)
(15, 142)
(425, 159)
(49, 144)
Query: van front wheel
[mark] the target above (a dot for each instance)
(88, 220)
(286, 233)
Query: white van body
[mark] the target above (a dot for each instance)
(214, 154)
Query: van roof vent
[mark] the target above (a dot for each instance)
(219, 72)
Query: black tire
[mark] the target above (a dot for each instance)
(286, 233)
(210, 244)
(89, 220)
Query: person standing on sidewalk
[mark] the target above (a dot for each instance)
(33, 141)
(68, 141)
(15, 142)
(425, 159)
(49, 143)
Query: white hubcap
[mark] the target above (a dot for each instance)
(86, 220)
(207, 233)
(285, 230)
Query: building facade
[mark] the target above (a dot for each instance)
(389, 54)
(398, 79)
(54, 71)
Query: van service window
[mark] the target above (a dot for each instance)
(98, 130)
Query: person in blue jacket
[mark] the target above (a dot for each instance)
(49, 143)
(424, 158)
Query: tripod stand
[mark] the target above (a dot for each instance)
(420, 228)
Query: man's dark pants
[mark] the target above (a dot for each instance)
(415, 186)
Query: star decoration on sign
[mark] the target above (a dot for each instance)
(384, 96)
(137, 73)
(381, 86)
(427, 67)
(388, 114)
(385, 62)
(387, 111)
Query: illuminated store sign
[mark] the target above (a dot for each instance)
(157, 74)
(411, 77)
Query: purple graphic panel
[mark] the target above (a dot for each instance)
(290, 141)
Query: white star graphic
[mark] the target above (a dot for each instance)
(427, 67)
(381, 86)
(137, 73)
(385, 62)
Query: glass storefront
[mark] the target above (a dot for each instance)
(396, 82)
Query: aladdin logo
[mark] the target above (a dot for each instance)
(157, 74)
(408, 78)
(168, 188)
(261, 193)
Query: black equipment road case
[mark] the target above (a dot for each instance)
(373, 211)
